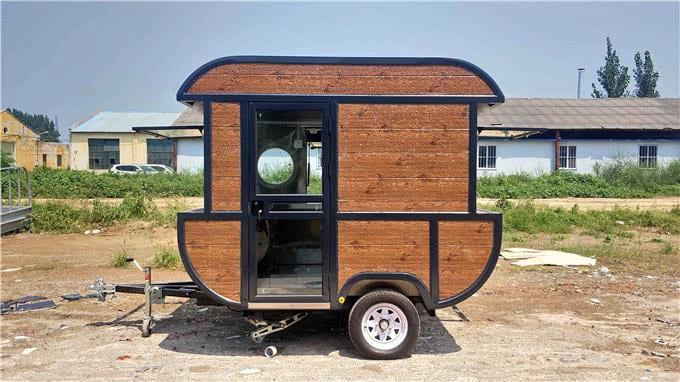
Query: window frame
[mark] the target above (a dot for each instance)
(569, 159)
(486, 157)
(648, 158)
(111, 155)
(152, 155)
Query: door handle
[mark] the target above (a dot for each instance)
(257, 208)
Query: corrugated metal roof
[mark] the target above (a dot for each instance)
(584, 113)
(123, 122)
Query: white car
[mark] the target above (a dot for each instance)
(161, 168)
(132, 169)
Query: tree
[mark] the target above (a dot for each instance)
(39, 123)
(645, 76)
(613, 77)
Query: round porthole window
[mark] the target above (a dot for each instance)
(275, 166)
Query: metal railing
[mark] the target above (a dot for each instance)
(15, 187)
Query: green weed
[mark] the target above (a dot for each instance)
(618, 179)
(166, 257)
(119, 258)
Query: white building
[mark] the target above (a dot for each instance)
(537, 136)
(108, 138)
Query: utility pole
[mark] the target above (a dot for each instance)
(580, 76)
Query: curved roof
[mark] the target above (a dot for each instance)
(184, 94)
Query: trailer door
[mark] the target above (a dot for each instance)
(289, 188)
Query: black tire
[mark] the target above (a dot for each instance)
(366, 302)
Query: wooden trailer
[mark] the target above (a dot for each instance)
(341, 183)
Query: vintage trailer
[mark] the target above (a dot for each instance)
(340, 183)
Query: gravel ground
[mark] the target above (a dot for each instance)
(538, 325)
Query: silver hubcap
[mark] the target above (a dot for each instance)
(384, 326)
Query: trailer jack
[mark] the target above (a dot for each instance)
(265, 328)
(153, 293)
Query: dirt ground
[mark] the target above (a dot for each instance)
(539, 325)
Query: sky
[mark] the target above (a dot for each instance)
(71, 60)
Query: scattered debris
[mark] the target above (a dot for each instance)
(232, 337)
(28, 351)
(270, 351)
(142, 369)
(660, 341)
(527, 256)
(96, 231)
(671, 323)
(334, 353)
(11, 269)
(21, 338)
(122, 357)
(88, 232)
(25, 304)
(202, 310)
(620, 222)
(77, 296)
(604, 270)
(595, 301)
(459, 313)
(654, 353)
(250, 370)
(650, 277)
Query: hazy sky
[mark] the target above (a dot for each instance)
(74, 59)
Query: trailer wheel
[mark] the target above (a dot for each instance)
(384, 324)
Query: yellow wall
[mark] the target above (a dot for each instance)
(28, 149)
(132, 148)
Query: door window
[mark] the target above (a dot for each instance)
(286, 144)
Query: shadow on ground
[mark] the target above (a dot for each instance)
(191, 329)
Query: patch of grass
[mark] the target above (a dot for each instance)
(57, 216)
(53, 183)
(528, 218)
(667, 249)
(50, 265)
(119, 258)
(617, 179)
(166, 257)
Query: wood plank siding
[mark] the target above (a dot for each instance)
(257, 78)
(402, 157)
(226, 157)
(214, 248)
(464, 250)
(383, 246)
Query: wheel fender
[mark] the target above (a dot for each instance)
(425, 295)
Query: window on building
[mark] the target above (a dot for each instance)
(647, 157)
(8, 149)
(487, 157)
(568, 157)
(58, 160)
(160, 151)
(319, 161)
(103, 153)
(44, 158)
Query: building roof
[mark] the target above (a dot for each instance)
(582, 114)
(123, 122)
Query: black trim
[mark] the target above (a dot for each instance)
(390, 276)
(182, 217)
(207, 156)
(324, 215)
(498, 96)
(472, 159)
(434, 261)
